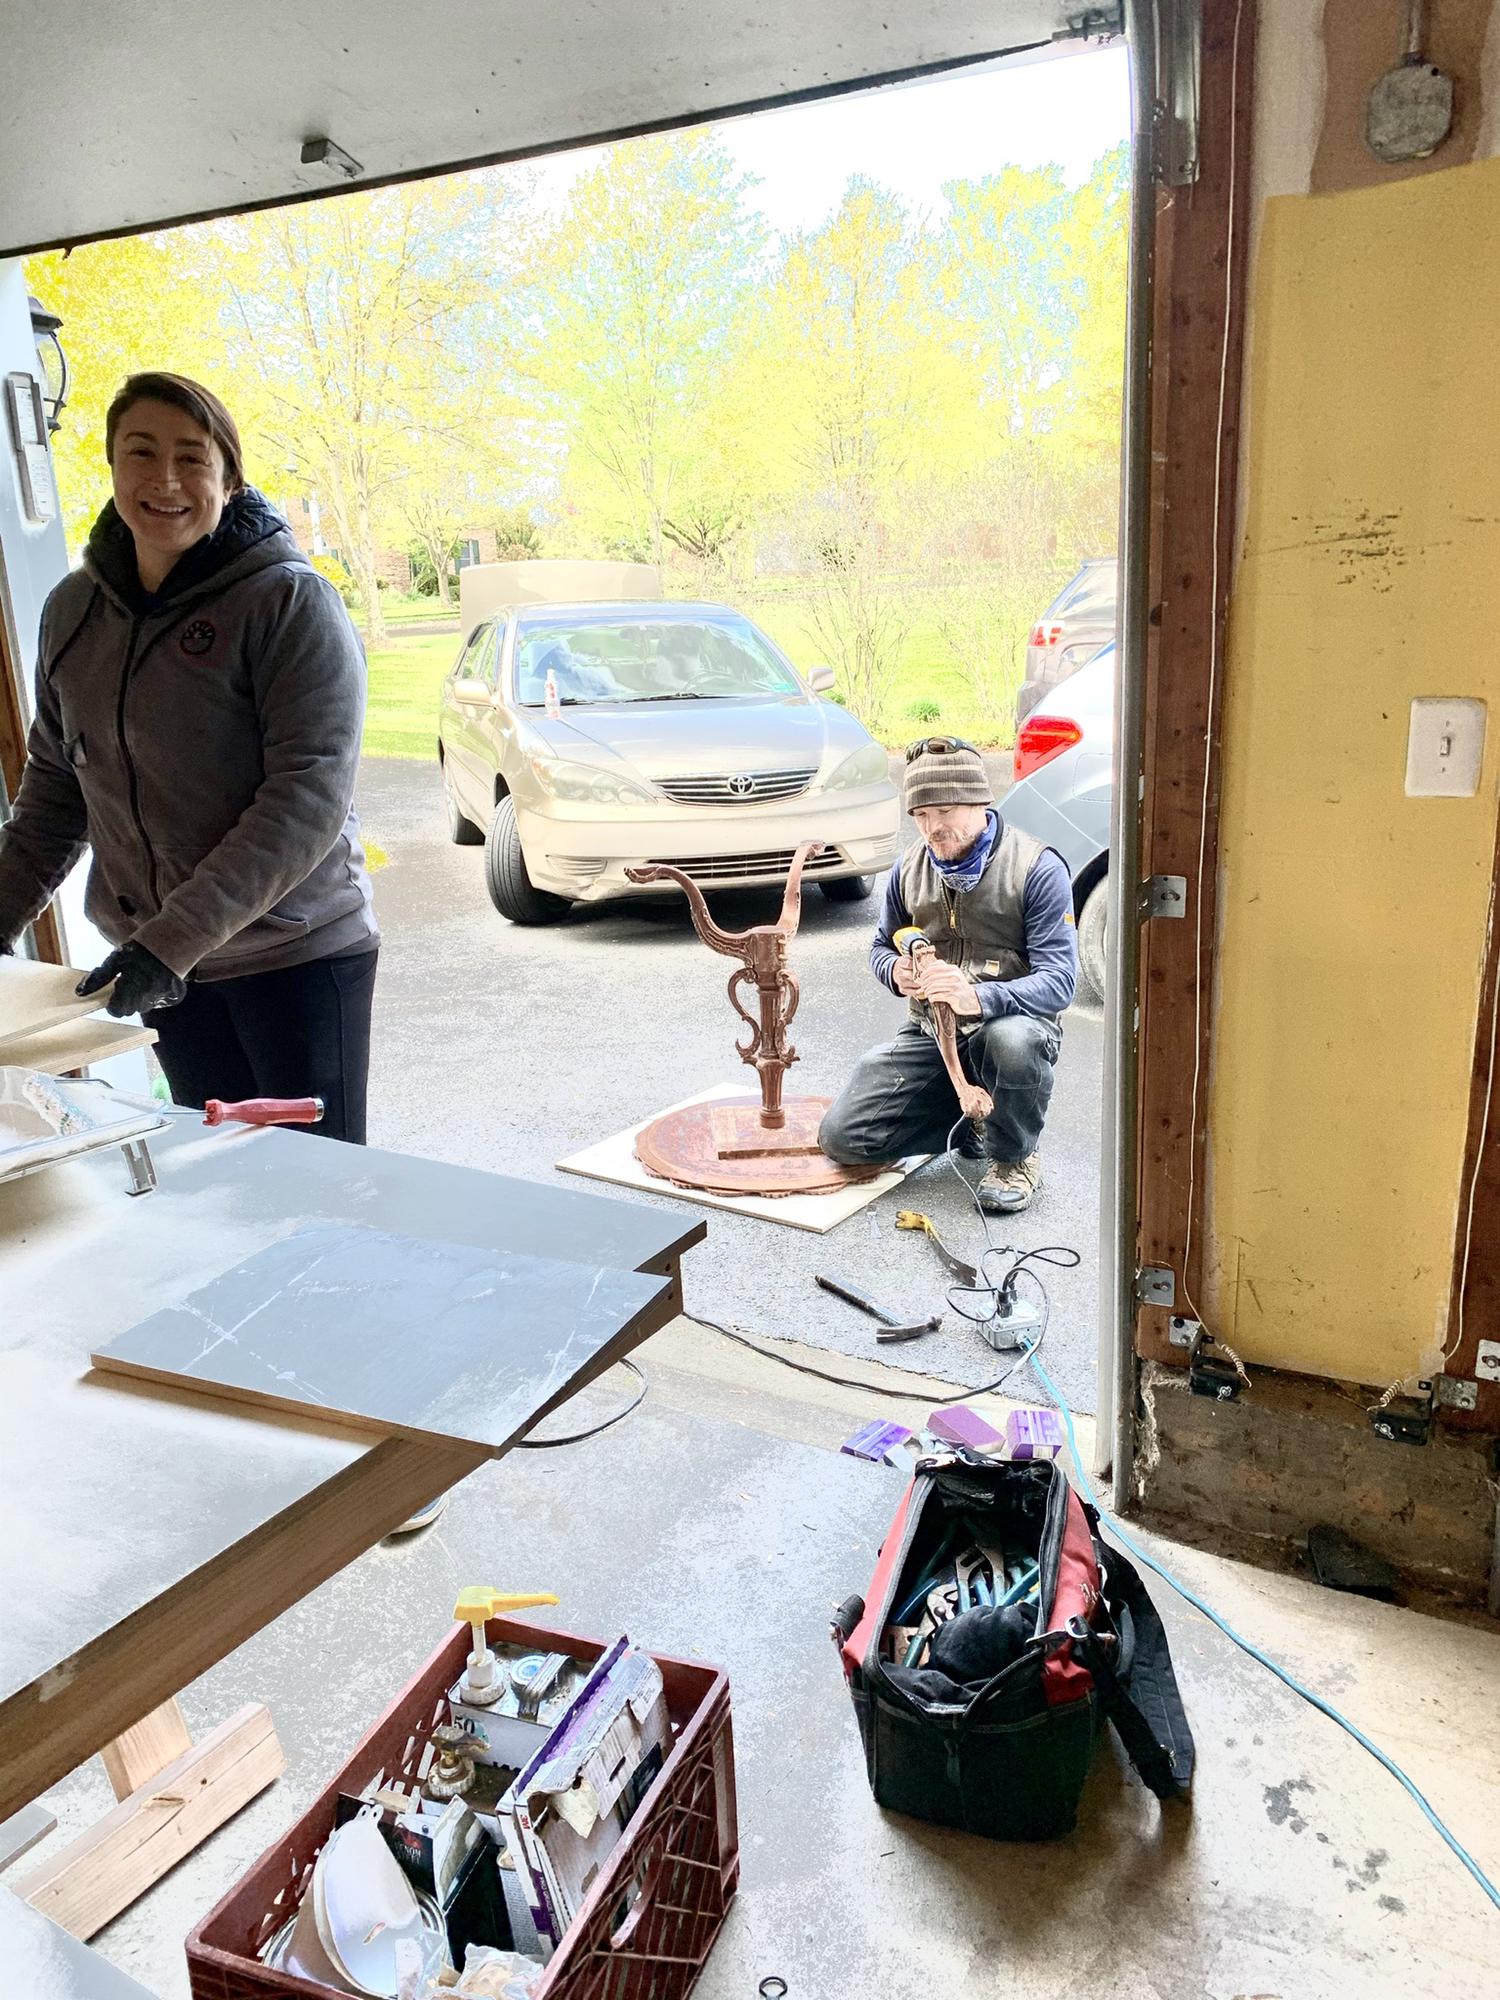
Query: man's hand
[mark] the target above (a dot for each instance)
(944, 982)
(904, 977)
(141, 982)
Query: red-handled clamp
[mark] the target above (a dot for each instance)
(265, 1111)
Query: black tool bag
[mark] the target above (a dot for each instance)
(992, 1724)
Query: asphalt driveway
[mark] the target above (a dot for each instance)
(509, 1049)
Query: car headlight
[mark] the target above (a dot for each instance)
(867, 766)
(580, 784)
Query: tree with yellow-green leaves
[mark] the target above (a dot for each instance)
(125, 306)
(640, 298)
(361, 338)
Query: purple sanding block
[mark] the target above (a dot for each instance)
(1033, 1434)
(961, 1425)
(874, 1440)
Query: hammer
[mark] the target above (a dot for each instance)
(890, 1327)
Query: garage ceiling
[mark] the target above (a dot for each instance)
(122, 115)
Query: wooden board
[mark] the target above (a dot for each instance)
(103, 1871)
(35, 996)
(390, 1334)
(75, 1044)
(44, 1962)
(614, 1159)
(136, 1756)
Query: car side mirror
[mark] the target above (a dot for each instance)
(473, 692)
(820, 679)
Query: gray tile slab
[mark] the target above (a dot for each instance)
(392, 1333)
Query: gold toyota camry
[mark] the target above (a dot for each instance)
(580, 740)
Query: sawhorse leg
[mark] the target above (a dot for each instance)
(173, 1793)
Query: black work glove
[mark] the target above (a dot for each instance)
(141, 982)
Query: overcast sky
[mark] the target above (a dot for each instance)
(914, 137)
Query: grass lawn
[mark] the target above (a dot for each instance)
(406, 675)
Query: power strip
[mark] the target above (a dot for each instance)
(1017, 1322)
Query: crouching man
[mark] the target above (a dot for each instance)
(998, 908)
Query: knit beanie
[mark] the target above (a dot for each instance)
(946, 773)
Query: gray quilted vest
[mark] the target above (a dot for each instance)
(980, 930)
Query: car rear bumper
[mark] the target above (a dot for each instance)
(731, 847)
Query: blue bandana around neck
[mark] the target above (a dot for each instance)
(966, 871)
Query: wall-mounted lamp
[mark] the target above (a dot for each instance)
(49, 351)
(332, 159)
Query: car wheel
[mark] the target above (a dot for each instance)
(505, 875)
(461, 830)
(848, 888)
(1091, 941)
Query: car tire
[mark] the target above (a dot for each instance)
(848, 888)
(1091, 942)
(505, 875)
(461, 830)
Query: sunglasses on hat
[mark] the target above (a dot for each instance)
(937, 744)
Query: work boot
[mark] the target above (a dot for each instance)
(1010, 1185)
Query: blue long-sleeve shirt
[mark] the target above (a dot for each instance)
(1051, 945)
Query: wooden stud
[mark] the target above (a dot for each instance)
(136, 1756)
(12, 764)
(104, 1870)
(1202, 243)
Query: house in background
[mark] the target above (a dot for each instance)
(308, 521)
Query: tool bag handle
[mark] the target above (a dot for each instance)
(1144, 1704)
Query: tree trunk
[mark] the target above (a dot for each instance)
(363, 555)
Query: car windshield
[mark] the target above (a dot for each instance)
(614, 658)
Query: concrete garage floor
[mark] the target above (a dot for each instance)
(1299, 1872)
(510, 1049)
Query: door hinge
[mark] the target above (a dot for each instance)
(1093, 24)
(1163, 896)
(1156, 1286)
(1179, 67)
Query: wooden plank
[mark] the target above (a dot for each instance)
(35, 996)
(1202, 243)
(1474, 1300)
(391, 1334)
(12, 764)
(22, 1831)
(139, 1753)
(104, 1870)
(53, 1726)
(76, 1044)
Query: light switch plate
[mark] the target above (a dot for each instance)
(1445, 747)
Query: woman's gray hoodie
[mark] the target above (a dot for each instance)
(204, 742)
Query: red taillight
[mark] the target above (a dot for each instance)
(1042, 738)
(1045, 635)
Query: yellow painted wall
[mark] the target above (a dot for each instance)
(1352, 917)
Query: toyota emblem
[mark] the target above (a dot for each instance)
(742, 787)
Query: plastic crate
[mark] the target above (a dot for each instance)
(650, 1919)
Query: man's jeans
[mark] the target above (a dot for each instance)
(899, 1099)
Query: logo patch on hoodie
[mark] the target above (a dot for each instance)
(196, 638)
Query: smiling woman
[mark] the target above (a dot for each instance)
(199, 697)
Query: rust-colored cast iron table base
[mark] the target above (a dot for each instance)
(723, 1148)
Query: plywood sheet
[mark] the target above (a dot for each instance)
(393, 1334)
(75, 1044)
(614, 1159)
(33, 997)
